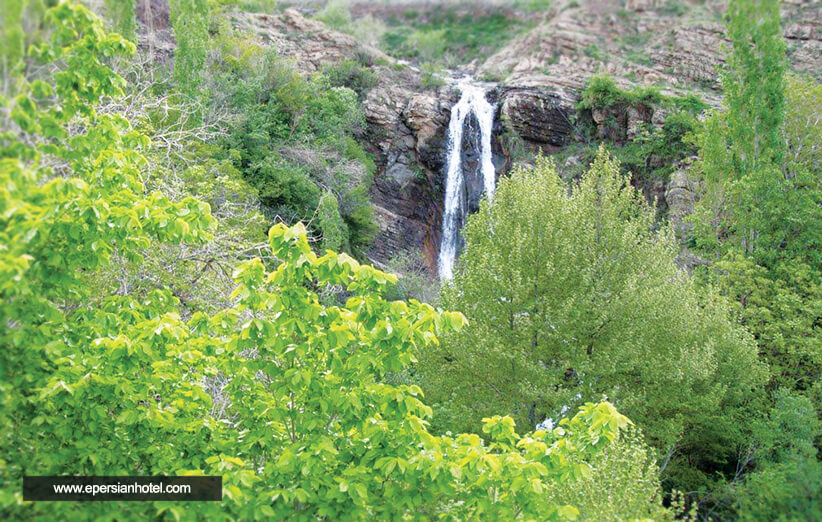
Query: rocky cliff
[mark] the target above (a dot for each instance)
(536, 81)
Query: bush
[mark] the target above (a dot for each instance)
(351, 74)
(334, 231)
(284, 185)
(602, 92)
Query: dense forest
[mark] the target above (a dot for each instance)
(224, 226)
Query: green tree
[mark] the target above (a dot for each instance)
(759, 226)
(574, 295)
(760, 219)
(189, 18)
(71, 198)
(787, 484)
(761, 200)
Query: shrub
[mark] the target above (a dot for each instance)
(189, 18)
(602, 92)
(294, 136)
(351, 74)
(122, 15)
(284, 185)
(334, 231)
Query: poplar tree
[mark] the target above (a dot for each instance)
(189, 18)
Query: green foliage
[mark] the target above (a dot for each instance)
(602, 92)
(758, 224)
(431, 75)
(781, 307)
(594, 51)
(337, 15)
(251, 6)
(786, 491)
(657, 150)
(803, 134)
(280, 394)
(451, 35)
(414, 279)
(189, 18)
(622, 484)
(572, 296)
(292, 137)
(330, 223)
(11, 39)
(753, 85)
(72, 199)
(123, 18)
(743, 148)
(287, 190)
(788, 482)
(351, 74)
(761, 215)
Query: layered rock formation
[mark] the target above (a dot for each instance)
(674, 45)
(677, 45)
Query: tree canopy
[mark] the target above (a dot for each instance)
(575, 294)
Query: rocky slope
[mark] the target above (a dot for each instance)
(535, 81)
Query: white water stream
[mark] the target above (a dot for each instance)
(471, 101)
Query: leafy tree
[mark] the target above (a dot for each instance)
(764, 205)
(787, 483)
(623, 483)
(758, 226)
(574, 295)
(761, 216)
(72, 197)
(189, 18)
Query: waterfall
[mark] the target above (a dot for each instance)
(472, 101)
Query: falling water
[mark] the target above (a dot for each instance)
(473, 102)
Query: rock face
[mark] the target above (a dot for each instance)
(309, 43)
(540, 75)
(680, 197)
(407, 129)
(539, 115)
(642, 41)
